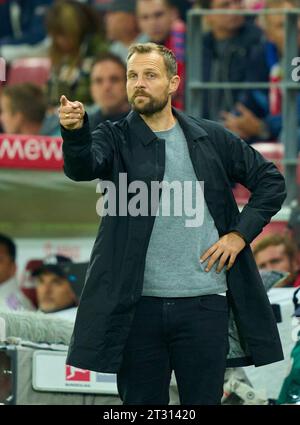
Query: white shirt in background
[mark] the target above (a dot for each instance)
(12, 298)
(66, 314)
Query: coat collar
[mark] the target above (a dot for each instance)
(137, 125)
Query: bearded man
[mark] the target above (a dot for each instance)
(161, 296)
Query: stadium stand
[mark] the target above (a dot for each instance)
(36, 70)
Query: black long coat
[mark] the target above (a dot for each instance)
(114, 278)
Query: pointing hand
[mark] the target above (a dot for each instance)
(71, 114)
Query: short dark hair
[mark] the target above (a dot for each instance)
(167, 55)
(109, 57)
(10, 246)
(21, 100)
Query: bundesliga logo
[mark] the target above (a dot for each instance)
(76, 374)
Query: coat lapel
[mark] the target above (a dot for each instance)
(202, 155)
(207, 168)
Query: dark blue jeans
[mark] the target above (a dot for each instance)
(188, 335)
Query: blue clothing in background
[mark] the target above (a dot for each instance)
(27, 26)
(263, 58)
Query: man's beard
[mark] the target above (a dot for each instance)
(151, 107)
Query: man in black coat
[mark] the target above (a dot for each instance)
(161, 293)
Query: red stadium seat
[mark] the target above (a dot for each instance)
(34, 70)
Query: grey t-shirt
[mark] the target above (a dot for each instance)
(173, 267)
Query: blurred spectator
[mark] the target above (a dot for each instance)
(226, 49)
(77, 36)
(55, 293)
(158, 21)
(22, 29)
(121, 26)
(23, 109)
(258, 114)
(278, 252)
(108, 89)
(11, 297)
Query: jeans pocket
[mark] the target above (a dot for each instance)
(213, 302)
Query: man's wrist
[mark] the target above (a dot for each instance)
(240, 235)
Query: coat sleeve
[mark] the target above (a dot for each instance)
(248, 167)
(87, 156)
